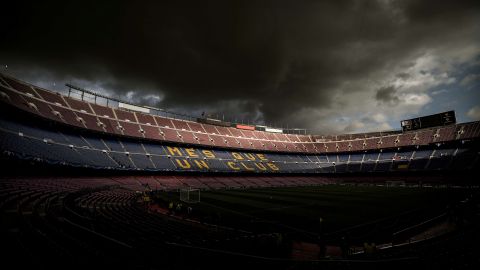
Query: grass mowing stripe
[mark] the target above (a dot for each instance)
(289, 200)
(239, 201)
(323, 200)
(265, 195)
(339, 206)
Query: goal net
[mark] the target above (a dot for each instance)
(190, 195)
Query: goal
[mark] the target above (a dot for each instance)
(190, 195)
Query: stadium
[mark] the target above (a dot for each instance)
(88, 184)
(226, 134)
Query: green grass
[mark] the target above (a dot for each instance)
(298, 209)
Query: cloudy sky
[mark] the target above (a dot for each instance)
(329, 66)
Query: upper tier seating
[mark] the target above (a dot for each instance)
(135, 124)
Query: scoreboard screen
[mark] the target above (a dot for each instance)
(439, 119)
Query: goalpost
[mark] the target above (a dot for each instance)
(190, 195)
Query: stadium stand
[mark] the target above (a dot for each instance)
(115, 159)
(116, 121)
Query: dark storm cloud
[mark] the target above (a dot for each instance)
(265, 60)
(387, 95)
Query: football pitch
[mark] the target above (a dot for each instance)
(329, 210)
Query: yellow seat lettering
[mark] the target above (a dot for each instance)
(201, 164)
(260, 166)
(232, 166)
(208, 154)
(247, 167)
(191, 152)
(237, 156)
(184, 164)
(174, 151)
(262, 157)
(272, 166)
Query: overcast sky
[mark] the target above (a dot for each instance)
(329, 66)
